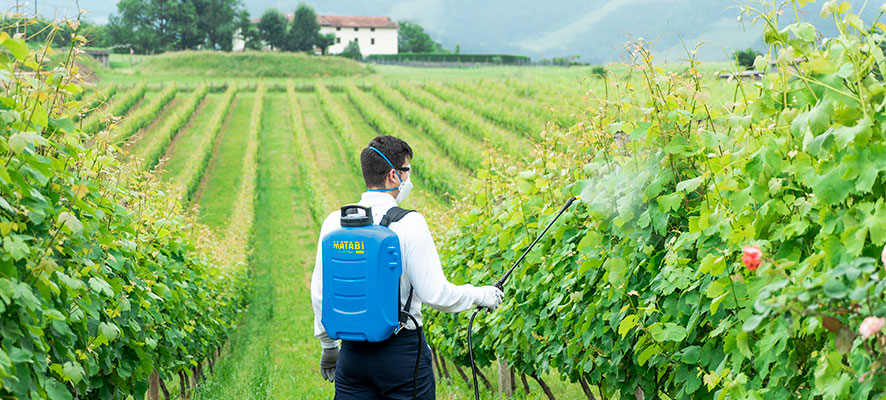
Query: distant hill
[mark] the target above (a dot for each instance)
(594, 29)
(250, 64)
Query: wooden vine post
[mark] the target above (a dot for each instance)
(153, 386)
(505, 378)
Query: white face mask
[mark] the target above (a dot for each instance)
(405, 188)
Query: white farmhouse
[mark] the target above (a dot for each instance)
(374, 35)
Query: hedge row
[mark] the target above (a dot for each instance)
(506, 59)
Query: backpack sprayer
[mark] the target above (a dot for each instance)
(500, 285)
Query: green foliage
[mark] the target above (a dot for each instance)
(103, 277)
(503, 112)
(341, 125)
(324, 41)
(599, 71)
(216, 23)
(248, 64)
(412, 38)
(151, 26)
(40, 31)
(463, 118)
(143, 116)
(190, 176)
(318, 213)
(352, 51)
(272, 27)
(97, 98)
(746, 57)
(117, 108)
(403, 56)
(151, 147)
(248, 31)
(430, 171)
(450, 141)
(304, 32)
(641, 286)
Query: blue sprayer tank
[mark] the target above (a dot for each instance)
(361, 278)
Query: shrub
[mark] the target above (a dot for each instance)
(746, 57)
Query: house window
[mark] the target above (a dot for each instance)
(338, 40)
(338, 28)
(356, 29)
(372, 29)
(372, 41)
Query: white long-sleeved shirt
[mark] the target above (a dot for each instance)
(421, 267)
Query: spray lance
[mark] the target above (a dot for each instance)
(500, 285)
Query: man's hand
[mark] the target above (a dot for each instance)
(327, 363)
(490, 298)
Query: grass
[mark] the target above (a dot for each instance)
(421, 200)
(249, 65)
(181, 151)
(217, 197)
(324, 143)
(136, 141)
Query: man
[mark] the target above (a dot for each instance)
(385, 370)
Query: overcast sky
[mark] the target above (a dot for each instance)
(595, 30)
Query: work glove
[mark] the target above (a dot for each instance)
(490, 298)
(327, 363)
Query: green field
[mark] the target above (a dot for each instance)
(309, 134)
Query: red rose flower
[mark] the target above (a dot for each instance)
(751, 257)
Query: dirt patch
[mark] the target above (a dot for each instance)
(213, 159)
(171, 148)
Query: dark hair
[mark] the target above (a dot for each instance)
(375, 168)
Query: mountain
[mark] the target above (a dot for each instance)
(596, 30)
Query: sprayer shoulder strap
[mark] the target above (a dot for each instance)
(393, 215)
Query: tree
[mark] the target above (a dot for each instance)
(352, 50)
(248, 31)
(150, 26)
(304, 33)
(746, 57)
(272, 27)
(325, 41)
(412, 38)
(217, 22)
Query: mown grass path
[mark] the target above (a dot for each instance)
(274, 353)
(216, 200)
(288, 235)
(181, 150)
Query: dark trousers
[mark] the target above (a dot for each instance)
(384, 370)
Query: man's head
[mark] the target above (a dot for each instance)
(377, 173)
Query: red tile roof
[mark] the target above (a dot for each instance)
(356, 22)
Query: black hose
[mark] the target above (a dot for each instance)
(500, 285)
(417, 359)
(471, 352)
